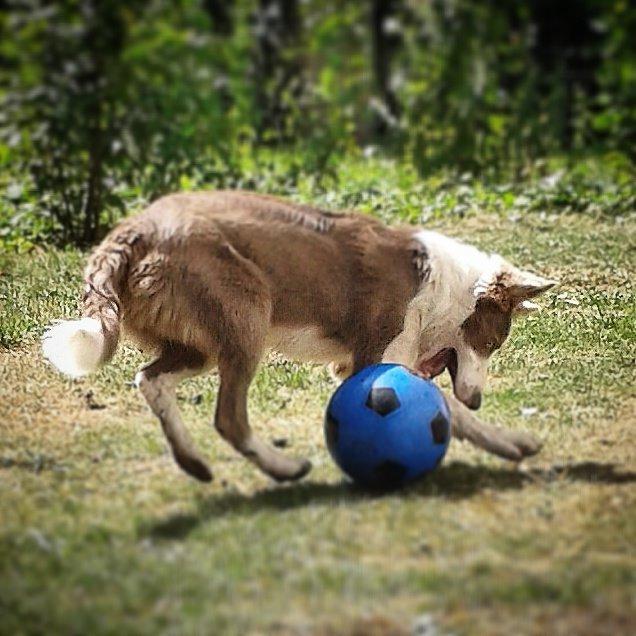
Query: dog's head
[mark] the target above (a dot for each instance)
(468, 305)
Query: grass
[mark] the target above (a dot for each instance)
(102, 534)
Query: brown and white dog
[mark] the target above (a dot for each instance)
(218, 278)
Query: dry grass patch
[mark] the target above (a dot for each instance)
(102, 534)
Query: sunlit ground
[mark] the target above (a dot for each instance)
(101, 533)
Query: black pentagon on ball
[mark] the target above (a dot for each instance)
(331, 429)
(389, 474)
(383, 400)
(440, 428)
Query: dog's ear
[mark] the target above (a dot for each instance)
(511, 288)
(522, 285)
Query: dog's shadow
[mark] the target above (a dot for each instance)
(456, 480)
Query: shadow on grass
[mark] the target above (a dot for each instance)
(457, 480)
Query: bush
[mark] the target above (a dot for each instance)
(106, 104)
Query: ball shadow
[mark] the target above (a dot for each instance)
(454, 481)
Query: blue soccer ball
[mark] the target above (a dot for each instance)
(386, 426)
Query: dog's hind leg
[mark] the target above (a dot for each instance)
(244, 318)
(512, 445)
(231, 419)
(157, 383)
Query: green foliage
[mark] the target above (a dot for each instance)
(614, 116)
(108, 104)
(61, 105)
(499, 84)
(604, 186)
(105, 102)
(35, 290)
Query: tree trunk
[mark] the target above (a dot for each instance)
(93, 90)
(386, 38)
(567, 53)
(94, 194)
(104, 41)
(278, 67)
(220, 12)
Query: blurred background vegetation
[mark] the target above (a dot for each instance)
(106, 104)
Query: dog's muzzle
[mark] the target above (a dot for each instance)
(474, 401)
(447, 359)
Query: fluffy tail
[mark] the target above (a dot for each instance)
(79, 347)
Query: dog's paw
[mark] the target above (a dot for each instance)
(194, 466)
(294, 470)
(304, 468)
(513, 445)
(525, 443)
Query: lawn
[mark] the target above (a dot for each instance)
(101, 533)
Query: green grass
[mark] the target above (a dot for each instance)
(102, 534)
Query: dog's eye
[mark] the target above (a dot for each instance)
(492, 346)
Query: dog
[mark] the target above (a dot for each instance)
(216, 279)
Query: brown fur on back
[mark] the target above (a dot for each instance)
(346, 274)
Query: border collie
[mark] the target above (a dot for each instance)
(216, 279)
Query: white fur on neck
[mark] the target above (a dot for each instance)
(458, 272)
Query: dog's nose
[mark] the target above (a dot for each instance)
(474, 401)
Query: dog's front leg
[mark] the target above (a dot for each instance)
(512, 445)
(404, 348)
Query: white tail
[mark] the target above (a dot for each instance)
(75, 347)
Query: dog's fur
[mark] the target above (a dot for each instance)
(217, 279)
